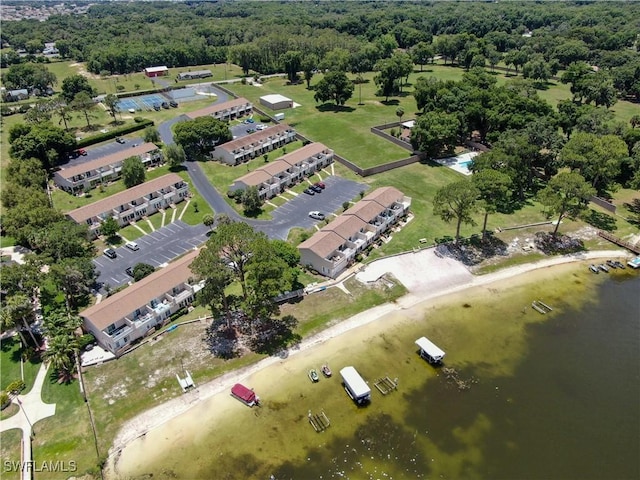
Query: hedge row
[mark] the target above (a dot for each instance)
(101, 137)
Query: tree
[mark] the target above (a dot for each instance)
(38, 140)
(75, 84)
(201, 135)
(209, 221)
(422, 54)
(634, 121)
(83, 103)
(174, 155)
(458, 201)
(291, 63)
(142, 270)
(336, 60)
(309, 64)
(494, 192)
(434, 132)
(251, 200)
(109, 227)
(399, 113)
(39, 112)
(133, 172)
(75, 277)
(287, 252)
(29, 76)
(336, 87)
(111, 102)
(61, 351)
(17, 312)
(597, 158)
(566, 194)
(151, 134)
(537, 68)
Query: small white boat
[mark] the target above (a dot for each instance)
(313, 375)
(593, 268)
(326, 371)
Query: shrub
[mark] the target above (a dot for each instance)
(4, 400)
(84, 340)
(16, 387)
(138, 119)
(265, 119)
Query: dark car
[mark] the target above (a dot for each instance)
(110, 252)
(316, 188)
(251, 130)
(129, 271)
(321, 185)
(165, 105)
(120, 140)
(308, 191)
(173, 104)
(156, 107)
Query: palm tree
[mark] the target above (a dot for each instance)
(60, 353)
(18, 311)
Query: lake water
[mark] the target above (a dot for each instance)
(553, 396)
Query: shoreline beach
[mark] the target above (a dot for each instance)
(448, 278)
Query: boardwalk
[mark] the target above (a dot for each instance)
(613, 239)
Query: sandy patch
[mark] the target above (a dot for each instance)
(426, 276)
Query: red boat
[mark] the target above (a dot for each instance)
(326, 371)
(245, 395)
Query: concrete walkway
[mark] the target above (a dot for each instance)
(32, 410)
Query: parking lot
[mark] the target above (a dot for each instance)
(157, 248)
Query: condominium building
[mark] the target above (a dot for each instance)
(123, 319)
(238, 107)
(132, 204)
(331, 250)
(286, 171)
(263, 141)
(87, 175)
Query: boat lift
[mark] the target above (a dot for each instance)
(185, 383)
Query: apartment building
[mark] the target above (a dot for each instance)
(132, 204)
(238, 107)
(263, 141)
(88, 175)
(286, 171)
(335, 247)
(123, 319)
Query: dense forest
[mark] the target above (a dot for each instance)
(262, 36)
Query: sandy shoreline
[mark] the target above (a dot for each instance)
(446, 276)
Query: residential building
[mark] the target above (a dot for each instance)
(273, 178)
(152, 72)
(336, 246)
(87, 175)
(195, 74)
(132, 204)
(238, 107)
(263, 141)
(123, 319)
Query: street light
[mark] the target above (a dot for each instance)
(25, 416)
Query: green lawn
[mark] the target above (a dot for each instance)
(10, 352)
(67, 436)
(10, 442)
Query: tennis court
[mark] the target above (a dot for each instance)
(143, 102)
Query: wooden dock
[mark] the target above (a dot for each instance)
(613, 239)
(320, 422)
(541, 307)
(385, 385)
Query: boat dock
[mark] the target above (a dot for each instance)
(320, 422)
(613, 239)
(185, 383)
(386, 385)
(541, 307)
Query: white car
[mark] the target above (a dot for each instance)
(260, 126)
(132, 246)
(317, 215)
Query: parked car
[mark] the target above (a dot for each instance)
(156, 107)
(165, 105)
(82, 151)
(173, 104)
(260, 126)
(129, 271)
(251, 130)
(132, 246)
(120, 140)
(321, 185)
(316, 188)
(316, 215)
(308, 191)
(110, 252)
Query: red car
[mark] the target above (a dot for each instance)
(320, 184)
(82, 151)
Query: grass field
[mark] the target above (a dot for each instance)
(10, 370)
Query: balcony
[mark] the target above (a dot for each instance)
(120, 332)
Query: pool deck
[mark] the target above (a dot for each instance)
(458, 163)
